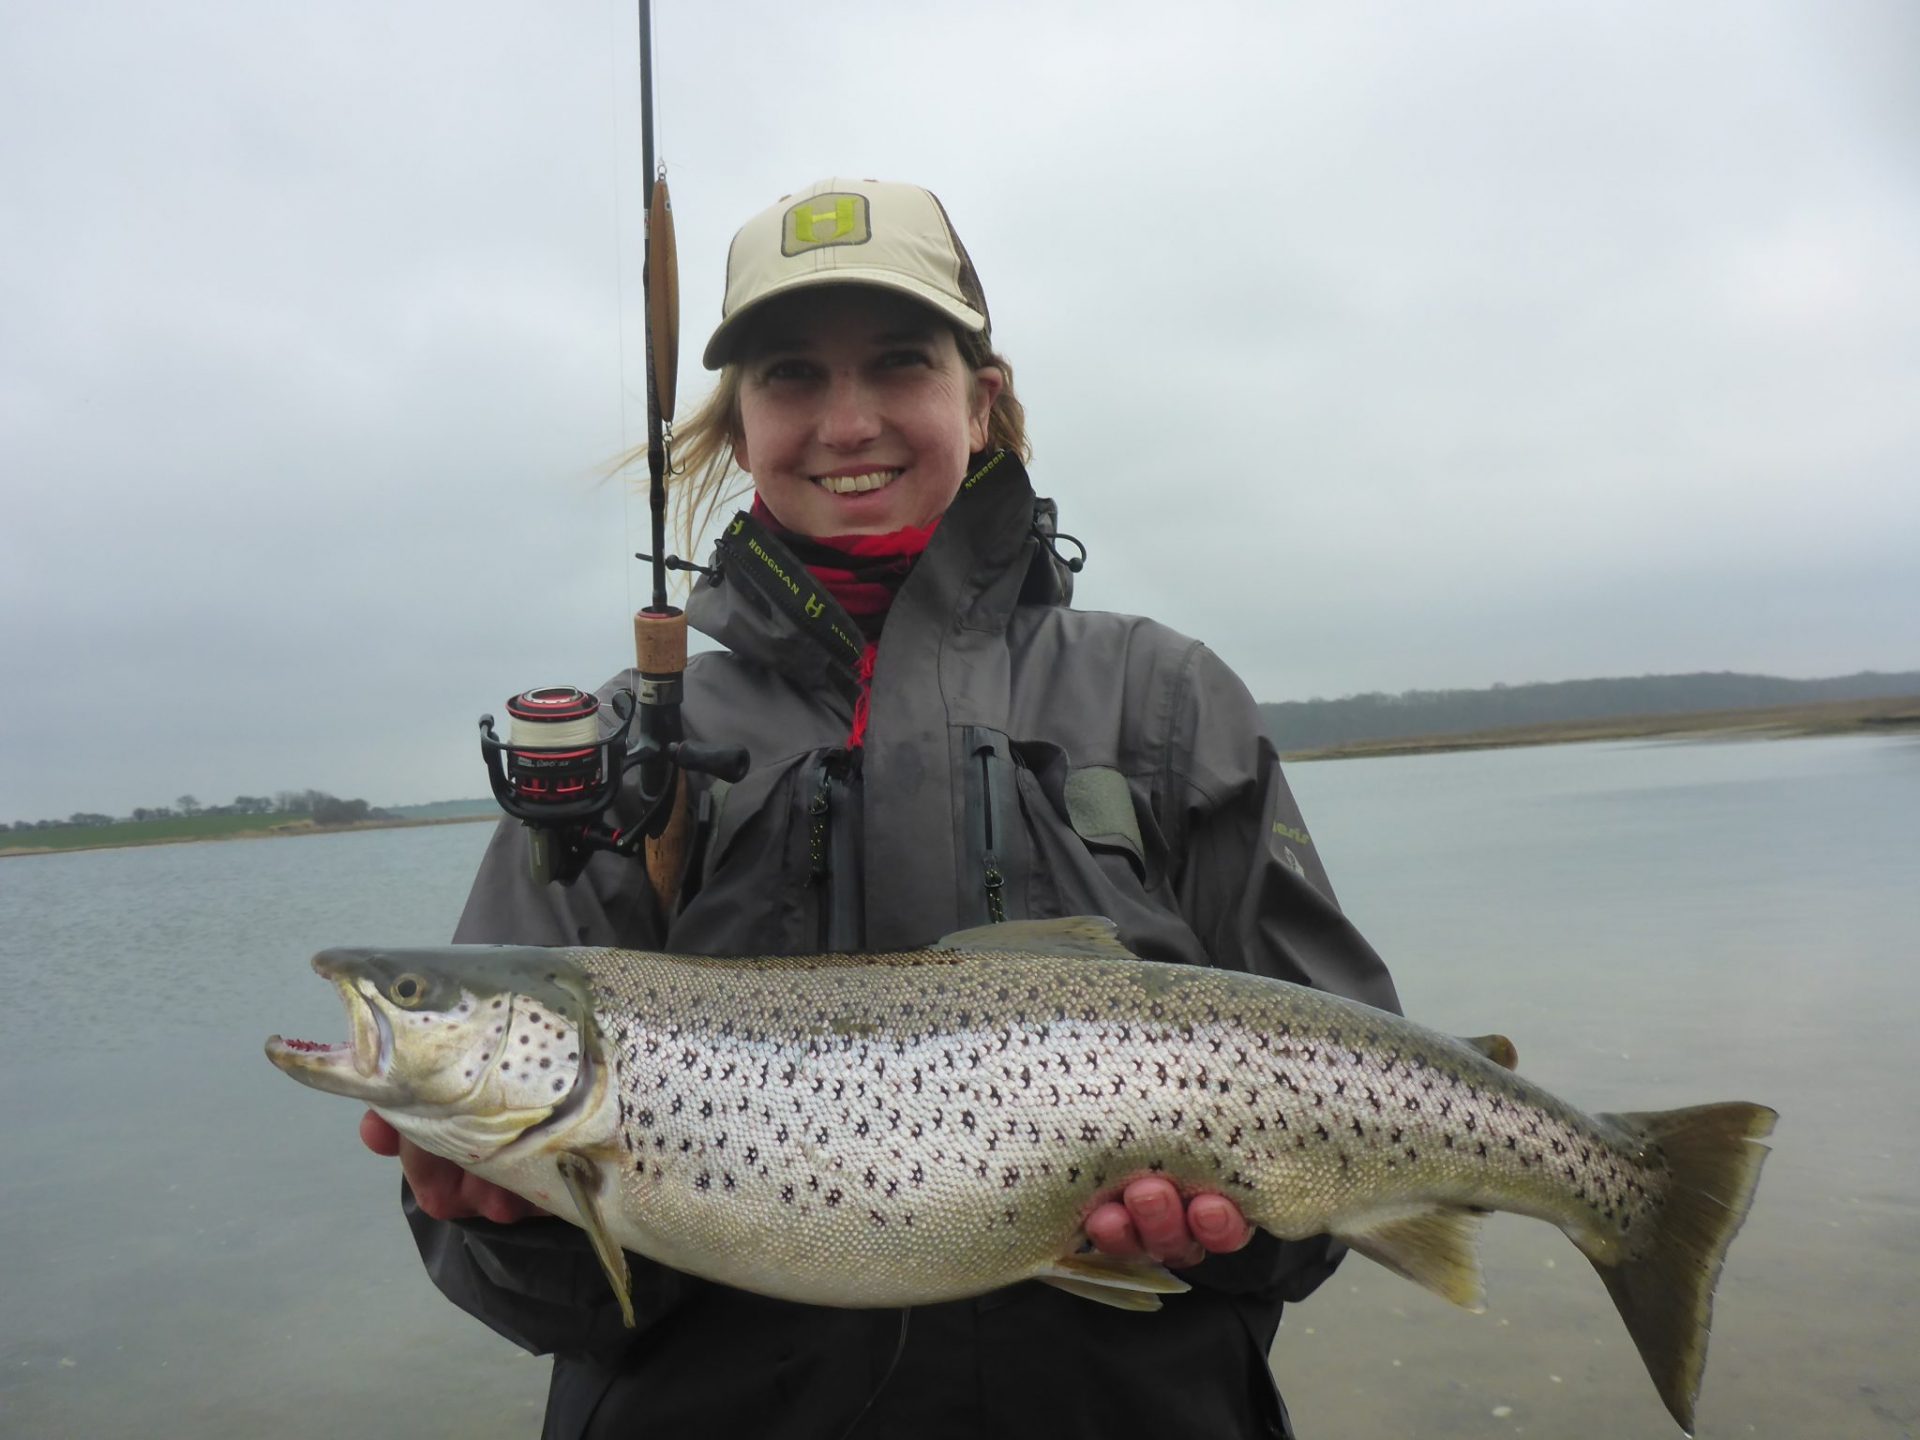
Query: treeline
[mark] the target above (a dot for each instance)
(1309, 724)
(315, 805)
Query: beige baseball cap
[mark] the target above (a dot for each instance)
(848, 232)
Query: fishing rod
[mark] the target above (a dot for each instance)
(556, 772)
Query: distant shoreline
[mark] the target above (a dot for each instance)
(282, 831)
(1773, 722)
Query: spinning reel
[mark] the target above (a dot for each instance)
(558, 775)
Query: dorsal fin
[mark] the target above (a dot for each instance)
(1092, 935)
(1496, 1048)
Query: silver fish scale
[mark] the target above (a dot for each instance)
(883, 1130)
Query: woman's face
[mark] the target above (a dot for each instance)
(857, 414)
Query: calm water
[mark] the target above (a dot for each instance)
(195, 1246)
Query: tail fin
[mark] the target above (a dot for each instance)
(1666, 1295)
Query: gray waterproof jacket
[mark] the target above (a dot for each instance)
(1022, 759)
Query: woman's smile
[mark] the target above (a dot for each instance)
(856, 414)
(856, 482)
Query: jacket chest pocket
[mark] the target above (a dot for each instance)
(744, 888)
(1046, 838)
(1099, 806)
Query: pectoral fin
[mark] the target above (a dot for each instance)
(1123, 1284)
(1436, 1248)
(582, 1178)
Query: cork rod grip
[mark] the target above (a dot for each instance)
(660, 642)
(660, 649)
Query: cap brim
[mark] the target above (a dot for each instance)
(721, 343)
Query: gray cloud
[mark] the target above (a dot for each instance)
(1379, 346)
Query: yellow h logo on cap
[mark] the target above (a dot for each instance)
(825, 220)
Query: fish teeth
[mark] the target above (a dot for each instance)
(856, 484)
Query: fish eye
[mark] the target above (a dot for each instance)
(408, 990)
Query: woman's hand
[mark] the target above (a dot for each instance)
(442, 1188)
(1148, 1219)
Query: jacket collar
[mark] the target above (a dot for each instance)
(990, 554)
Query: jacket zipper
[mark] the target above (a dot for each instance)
(819, 872)
(989, 773)
(990, 856)
(833, 852)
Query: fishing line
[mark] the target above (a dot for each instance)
(899, 1349)
(620, 291)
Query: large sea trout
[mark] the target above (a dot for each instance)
(890, 1130)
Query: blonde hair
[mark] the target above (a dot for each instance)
(704, 479)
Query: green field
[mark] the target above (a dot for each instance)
(151, 832)
(184, 828)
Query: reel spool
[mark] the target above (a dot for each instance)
(554, 765)
(553, 751)
(558, 775)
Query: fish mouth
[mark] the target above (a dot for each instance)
(355, 1067)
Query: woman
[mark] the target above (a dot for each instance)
(940, 742)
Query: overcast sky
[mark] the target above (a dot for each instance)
(1381, 346)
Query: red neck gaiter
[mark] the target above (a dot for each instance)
(863, 573)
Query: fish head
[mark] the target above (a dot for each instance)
(463, 1049)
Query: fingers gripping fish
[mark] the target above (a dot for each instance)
(891, 1130)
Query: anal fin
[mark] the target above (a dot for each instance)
(1108, 1280)
(1437, 1248)
(582, 1179)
